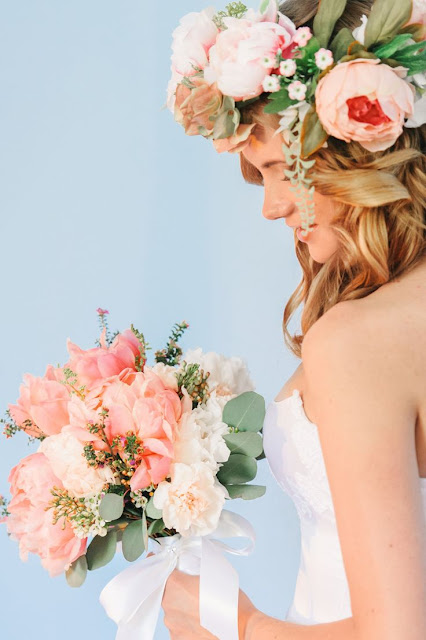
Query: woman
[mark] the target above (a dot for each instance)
(346, 436)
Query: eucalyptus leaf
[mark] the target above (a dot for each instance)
(245, 491)
(261, 457)
(132, 542)
(151, 511)
(111, 507)
(245, 412)
(101, 550)
(144, 530)
(387, 50)
(237, 469)
(76, 573)
(341, 43)
(386, 19)
(246, 442)
(313, 135)
(156, 526)
(417, 31)
(328, 14)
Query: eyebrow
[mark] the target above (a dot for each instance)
(271, 163)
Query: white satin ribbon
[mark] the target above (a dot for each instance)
(133, 598)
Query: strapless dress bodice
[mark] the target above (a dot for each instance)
(294, 455)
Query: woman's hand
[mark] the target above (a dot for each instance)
(181, 606)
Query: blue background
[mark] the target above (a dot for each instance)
(106, 202)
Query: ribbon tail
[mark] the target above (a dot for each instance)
(133, 598)
(219, 592)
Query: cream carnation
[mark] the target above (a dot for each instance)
(200, 435)
(228, 376)
(65, 454)
(193, 501)
(167, 375)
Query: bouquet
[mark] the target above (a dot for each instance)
(130, 453)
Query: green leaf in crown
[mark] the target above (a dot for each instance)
(328, 14)
(386, 19)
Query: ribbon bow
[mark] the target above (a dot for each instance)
(133, 598)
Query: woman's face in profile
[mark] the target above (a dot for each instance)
(265, 153)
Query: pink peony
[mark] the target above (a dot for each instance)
(236, 60)
(44, 401)
(94, 365)
(31, 524)
(145, 407)
(192, 40)
(364, 103)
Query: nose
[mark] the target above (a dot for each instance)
(278, 200)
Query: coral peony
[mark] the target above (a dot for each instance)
(194, 107)
(94, 365)
(365, 101)
(44, 402)
(31, 524)
(143, 406)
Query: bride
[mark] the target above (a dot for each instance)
(346, 436)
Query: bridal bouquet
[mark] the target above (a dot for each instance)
(130, 453)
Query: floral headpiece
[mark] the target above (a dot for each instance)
(363, 86)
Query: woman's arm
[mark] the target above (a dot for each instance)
(262, 627)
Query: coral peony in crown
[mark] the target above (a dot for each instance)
(363, 86)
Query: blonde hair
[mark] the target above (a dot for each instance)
(380, 203)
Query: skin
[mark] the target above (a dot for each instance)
(374, 450)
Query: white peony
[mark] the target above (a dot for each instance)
(200, 435)
(192, 40)
(193, 501)
(167, 375)
(228, 376)
(65, 454)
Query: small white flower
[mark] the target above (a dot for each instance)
(419, 116)
(289, 115)
(324, 58)
(359, 32)
(268, 62)
(302, 36)
(288, 68)
(271, 83)
(297, 90)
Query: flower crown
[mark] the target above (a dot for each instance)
(365, 87)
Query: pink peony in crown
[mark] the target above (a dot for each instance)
(363, 86)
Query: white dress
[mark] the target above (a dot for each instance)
(294, 455)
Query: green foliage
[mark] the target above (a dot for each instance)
(312, 137)
(279, 101)
(156, 526)
(101, 550)
(151, 511)
(172, 353)
(245, 491)
(413, 57)
(237, 469)
(227, 121)
(341, 43)
(133, 541)
(246, 442)
(77, 572)
(387, 50)
(328, 14)
(111, 507)
(194, 379)
(246, 412)
(232, 10)
(385, 20)
(143, 348)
